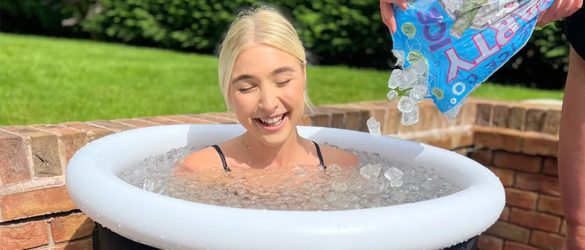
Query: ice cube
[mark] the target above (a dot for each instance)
(418, 92)
(395, 79)
(410, 118)
(393, 174)
(396, 183)
(391, 94)
(406, 104)
(370, 171)
(373, 126)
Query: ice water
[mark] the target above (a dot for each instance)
(376, 182)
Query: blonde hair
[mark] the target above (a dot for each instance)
(261, 25)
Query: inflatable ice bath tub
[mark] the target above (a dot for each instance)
(171, 223)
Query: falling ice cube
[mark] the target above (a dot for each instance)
(406, 104)
(391, 94)
(373, 126)
(410, 118)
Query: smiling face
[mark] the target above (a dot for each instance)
(266, 92)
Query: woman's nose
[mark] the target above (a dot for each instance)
(268, 100)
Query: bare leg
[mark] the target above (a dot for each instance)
(572, 152)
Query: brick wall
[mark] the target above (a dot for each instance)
(516, 141)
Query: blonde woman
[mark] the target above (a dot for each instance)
(262, 74)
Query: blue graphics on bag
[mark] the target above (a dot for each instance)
(447, 48)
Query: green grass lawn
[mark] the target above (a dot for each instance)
(48, 80)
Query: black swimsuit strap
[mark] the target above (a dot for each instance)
(223, 161)
(321, 162)
(227, 169)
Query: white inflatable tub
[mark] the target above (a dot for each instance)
(170, 223)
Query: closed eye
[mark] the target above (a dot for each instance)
(246, 90)
(283, 82)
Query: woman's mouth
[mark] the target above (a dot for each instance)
(272, 123)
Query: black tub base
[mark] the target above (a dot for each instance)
(105, 239)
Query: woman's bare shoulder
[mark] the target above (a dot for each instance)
(199, 160)
(333, 155)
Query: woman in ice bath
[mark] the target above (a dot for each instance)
(262, 74)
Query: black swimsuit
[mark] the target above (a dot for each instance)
(227, 169)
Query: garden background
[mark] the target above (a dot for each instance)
(80, 60)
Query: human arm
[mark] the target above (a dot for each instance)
(572, 153)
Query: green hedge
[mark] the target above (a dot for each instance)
(332, 31)
(346, 32)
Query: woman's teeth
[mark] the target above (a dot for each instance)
(272, 121)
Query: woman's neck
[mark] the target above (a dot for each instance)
(263, 156)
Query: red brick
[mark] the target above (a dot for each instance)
(467, 113)
(14, 159)
(82, 244)
(547, 240)
(188, 119)
(564, 228)
(517, 118)
(484, 114)
(506, 176)
(114, 126)
(93, 132)
(516, 161)
(166, 121)
(377, 111)
(337, 116)
(550, 166)
(522, 199)
(442, 121)
(511, 245)
(505, 215)
(427, 112)
(305, 120)
(392, 122)
(71, 139)
(552, 122)
(33, 203)
(321, 120)
(541, 144)
(135, 122)
(497, 138)
(483, 156)
(356, 120)
(24, 236)
(535, 220)
(461, 139)
(224, 118)
(550, 204)
(46, 157)
(509, 231)
(487, 242)
(535, 119)
(500, 116)
(440, 141)
(71, 227)
(538, 183)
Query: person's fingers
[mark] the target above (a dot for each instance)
(388, 15)
(574, 7)
(392, 21)
(563, 9)
(383, 12)
(550, 13)
(403, 5)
